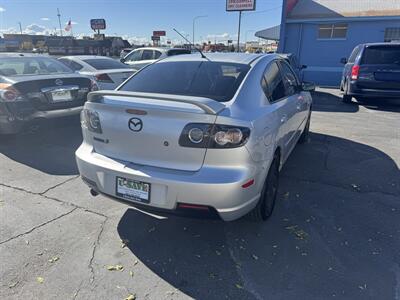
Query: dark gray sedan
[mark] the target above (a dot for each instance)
(38, 87)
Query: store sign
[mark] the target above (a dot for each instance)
(98, 24)
(240, 5)
(155, 38)
(159, 33)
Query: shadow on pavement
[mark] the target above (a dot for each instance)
(50, 148)
(328, 102)
(328, 237)
(382, 105)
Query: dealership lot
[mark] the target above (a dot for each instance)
(335, 232)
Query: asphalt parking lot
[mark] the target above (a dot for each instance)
(335, 232)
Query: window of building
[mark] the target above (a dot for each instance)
(392, 34)
(332, 31)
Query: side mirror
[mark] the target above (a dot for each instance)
(308, 86)
(343, 60)
(122, 59)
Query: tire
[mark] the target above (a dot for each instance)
(306, 132)
(346, 98)
(266, 203)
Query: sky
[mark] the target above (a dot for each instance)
(136, 19)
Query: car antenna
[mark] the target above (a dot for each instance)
(191, 44)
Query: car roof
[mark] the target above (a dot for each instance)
(163, 49)
(17, 54)
(243, 58)
(86, 57)
(381, 44)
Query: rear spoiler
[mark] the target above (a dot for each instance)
(209, 106)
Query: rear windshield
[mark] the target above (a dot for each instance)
(178, 51)
(215, 80)
(105, 64)
(14, 66)
(381, 55)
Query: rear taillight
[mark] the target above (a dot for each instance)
(199, 135)
(8, 93)
(103, 78)
(355, 70)
(93, 86)
(90, 120)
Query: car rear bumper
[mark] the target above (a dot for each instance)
(218, 188)
(373, 93)
(10, 124)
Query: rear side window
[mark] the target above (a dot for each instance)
(157, 54)
(178, 51)
(214, 80)
(354, 54)
(289, 79)
(105, 64)
(381, 55)
(273, 84)
(147, 54)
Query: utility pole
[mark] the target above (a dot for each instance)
(20, 27)
(194, 20)
(59, 20)
(238, 41)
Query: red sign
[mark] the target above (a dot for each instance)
(159, 33)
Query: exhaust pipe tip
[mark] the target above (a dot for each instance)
(93, 193)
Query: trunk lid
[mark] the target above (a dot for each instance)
(38, 90)
(154, 141)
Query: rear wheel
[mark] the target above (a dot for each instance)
(267, 200)
(346, 97)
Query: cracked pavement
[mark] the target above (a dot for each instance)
(335, 232)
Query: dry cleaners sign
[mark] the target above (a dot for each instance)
(240, 5)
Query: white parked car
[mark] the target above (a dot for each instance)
(141, 57)
(193, 134)
(107, 72)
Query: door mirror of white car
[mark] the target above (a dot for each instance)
(308, 86)
(122, 59)
(343, 60)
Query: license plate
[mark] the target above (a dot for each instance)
(133, 190)
(59, 96)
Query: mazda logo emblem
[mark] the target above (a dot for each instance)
(135, 124)
(59, 82)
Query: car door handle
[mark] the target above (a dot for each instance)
(284, 119)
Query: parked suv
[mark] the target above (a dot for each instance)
(193, 134)
(372, 71)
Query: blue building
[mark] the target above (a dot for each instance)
(321, 32)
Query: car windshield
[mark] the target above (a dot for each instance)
(215, 80)
(15, 66)
(381, 55)
(105, 64)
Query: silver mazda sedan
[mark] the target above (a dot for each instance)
(196, 135)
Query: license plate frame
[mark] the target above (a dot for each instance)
(61, 96)
(131, 193)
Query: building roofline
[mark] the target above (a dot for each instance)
(343, 19)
